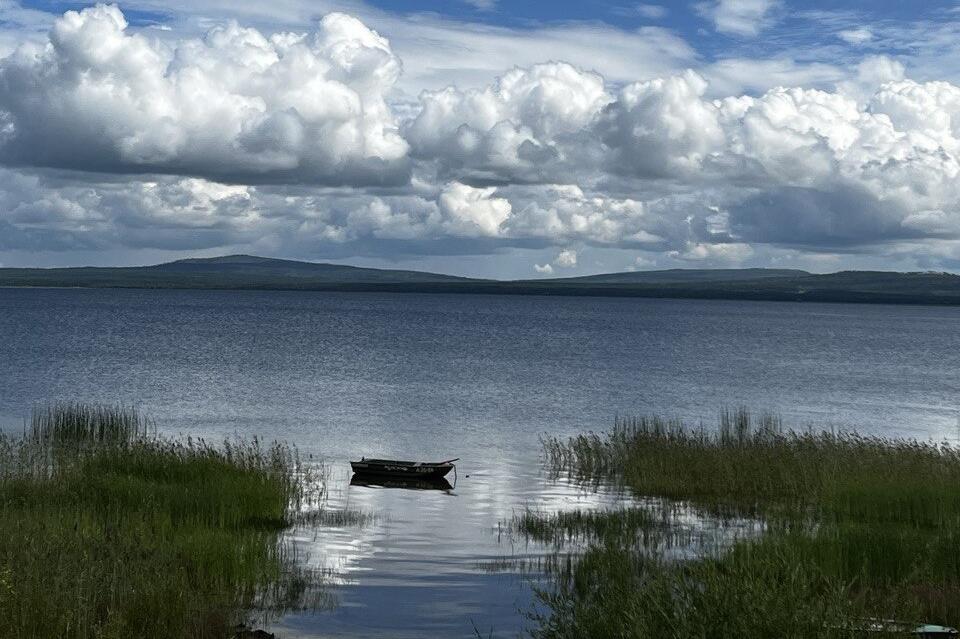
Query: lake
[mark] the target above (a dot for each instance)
(342, 375)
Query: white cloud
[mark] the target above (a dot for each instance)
(236, 105)
(856, 36)
(473, 212)
(740, 17)
(292, 141)
(513, 126)
(662, 127)
(648, 11)
(871, 73)
(182, 213)
(439, 52)
(567, 258)
(564, 213)
(544, 269)
(735, 75)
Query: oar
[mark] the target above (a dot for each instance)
(449, 461)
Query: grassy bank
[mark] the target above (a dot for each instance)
(109, 531)
(847, 528)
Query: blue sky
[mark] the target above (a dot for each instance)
(483, 137)
(683, 16)
(796, 22)
(804, 31)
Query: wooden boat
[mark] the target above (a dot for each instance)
(402, 469)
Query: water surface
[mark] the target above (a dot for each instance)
(480, 377)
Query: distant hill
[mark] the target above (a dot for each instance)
(677, 276)
(252, 267)
(251, 272)
(230, 272)
(765, 284)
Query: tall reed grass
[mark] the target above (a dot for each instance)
(853, 527)
(87, 423)
(108, 531)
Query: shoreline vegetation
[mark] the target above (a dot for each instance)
(842, 530)
(110, 531)
(244, 272)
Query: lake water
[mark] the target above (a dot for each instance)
(476, 377)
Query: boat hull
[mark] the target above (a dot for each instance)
(401, 470)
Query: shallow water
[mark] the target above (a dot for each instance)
(479, 377)
(434, 563)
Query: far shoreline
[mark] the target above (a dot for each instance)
(526, 289)
(254, 273)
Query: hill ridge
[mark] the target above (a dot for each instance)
(251, 272)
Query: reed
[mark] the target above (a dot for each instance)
(642, 527)
(109, 531)
(88, 423)
(847, 527)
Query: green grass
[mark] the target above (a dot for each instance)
(107, 531)
(79, 423)
(851, 527)
(641, 528)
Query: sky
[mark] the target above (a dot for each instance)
(483, 137)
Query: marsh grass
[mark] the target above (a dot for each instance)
(337, 518)
(851, 527)
(76, 422)
(108, 531)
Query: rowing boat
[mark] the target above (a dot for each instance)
(404, 469)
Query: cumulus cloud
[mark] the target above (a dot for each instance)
(872, 73)
(473, 212)
(661, 128)
(567, 258)
(791, 167)
(172, 213)
(295, 140)
(520, 127)
(740, 17)
(563, 213)
(235, 106)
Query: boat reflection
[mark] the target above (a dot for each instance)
(376, 481)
